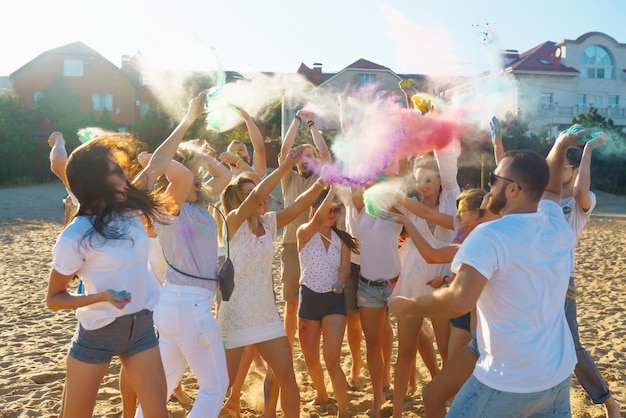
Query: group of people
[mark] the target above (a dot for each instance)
(492, 271)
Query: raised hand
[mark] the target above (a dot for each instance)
(55, 137)
(496, 130)
(573, 136)
(596, 140)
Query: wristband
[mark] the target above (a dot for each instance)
(310, 123)
(238, 161)
(444, 279)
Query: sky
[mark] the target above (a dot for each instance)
(408, 36)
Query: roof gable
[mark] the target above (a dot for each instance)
(363, 64)
(541, 58)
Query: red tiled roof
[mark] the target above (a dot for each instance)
(541, 58)
(364, 64)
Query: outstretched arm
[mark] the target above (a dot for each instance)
(556, 159)
(308, 229)
(496, 139)
(58, 156)
(318, 140)
(290, 137)
(302, 203)
(162, 156)
(237, 216)
(582, 184)
(259, 160)
(426, 213)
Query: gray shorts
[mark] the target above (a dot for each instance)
(126, 336)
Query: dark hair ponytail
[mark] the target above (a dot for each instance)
(347, 239)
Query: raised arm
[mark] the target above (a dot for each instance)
(582, 184)
(556, 160)
(259, 160)
(237, 161)
(58, 156)
(290, 137)
(162, 156)
(318, 140)
(237, 216)
(307, 230)
(302, 203)
(496, 139)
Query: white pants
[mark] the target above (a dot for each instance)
(188, 335)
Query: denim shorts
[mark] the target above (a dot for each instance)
(372, 296)
(126, 336)
(351, 288)
(461, 322)
(476, 399)
(315, 306)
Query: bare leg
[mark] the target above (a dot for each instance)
(442, 334)
(291, 321)
(277, 353)
(271, 392)
(448, 382)
(146, 375)
(408, 331)
(427, 353)
(233, 403)
(233, 361)
(374, 322)
(310, 333)
(333, 329)
(81, 387)
(387, 352)
(355, 334)
(129, 397)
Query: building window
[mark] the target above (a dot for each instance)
(613, 101)
(144, 107)
(36, 98)
(365, 79)
(596, 62)
(596, 101)
(73, 68)
(100, 101)
(546, 100)
(581, 100)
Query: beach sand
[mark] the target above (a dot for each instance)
(34, 340)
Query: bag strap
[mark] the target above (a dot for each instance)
(227, 251)
(227, 232)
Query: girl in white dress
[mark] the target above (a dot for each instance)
(250, 316)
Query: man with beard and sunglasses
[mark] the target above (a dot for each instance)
(516, 270)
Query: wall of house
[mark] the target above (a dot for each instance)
(99, 77)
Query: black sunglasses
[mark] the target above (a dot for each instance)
(493, 177)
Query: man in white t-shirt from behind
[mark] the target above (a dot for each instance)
(516, 271)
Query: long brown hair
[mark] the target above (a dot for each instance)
(345, 237)
(87, 170)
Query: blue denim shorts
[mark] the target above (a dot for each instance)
(372, 296)
(461, 322)
(315, 306)
(476, 399)
(126, 336)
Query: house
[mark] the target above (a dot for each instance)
(99, 83)
(560, 80)
(359, 74)
(5, 84)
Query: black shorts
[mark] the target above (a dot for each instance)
(315, 306)
(461, 322)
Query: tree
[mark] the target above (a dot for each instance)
(106, 122)
(56, 102)
(18, 146)
(153, 128)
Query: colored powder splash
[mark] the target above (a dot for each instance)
(87, 134)
(220, 79)
(222, 118)
(485, 32)
(381, 197)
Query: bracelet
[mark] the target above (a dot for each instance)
(321, 183)
(298, 117)
(238, 161)
(310, 123)
(444, 279)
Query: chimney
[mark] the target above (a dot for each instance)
(317, 77)
(509, 56)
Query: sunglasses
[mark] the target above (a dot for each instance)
(335, 211)
(494, 177)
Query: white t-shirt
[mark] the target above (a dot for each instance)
(378, 245)
(577, 218)
(352, 227)
(523, 337)
(118, 264)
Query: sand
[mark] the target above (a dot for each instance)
(34, 340)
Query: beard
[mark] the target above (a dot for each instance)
(497, 202)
